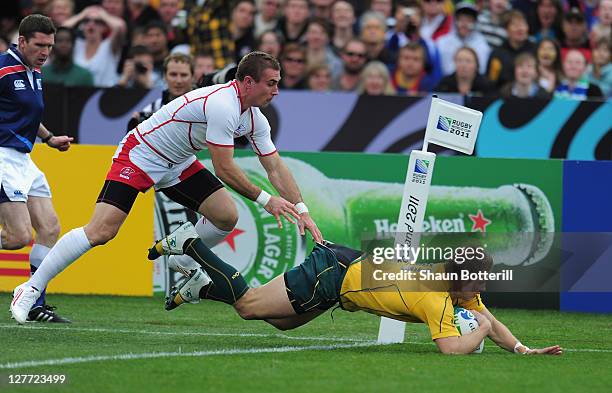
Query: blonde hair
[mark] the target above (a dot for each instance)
(378, 68)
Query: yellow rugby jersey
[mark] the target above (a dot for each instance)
(435, 308)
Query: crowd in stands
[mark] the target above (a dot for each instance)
(512, 48)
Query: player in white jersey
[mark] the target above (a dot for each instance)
(160, 152)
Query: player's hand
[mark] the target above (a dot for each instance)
(278, 206)
(483, 321)
(306, 222)
(61, 143)
(554, 350)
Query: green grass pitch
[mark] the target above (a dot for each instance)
(119, 344)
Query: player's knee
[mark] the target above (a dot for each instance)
(244, 311)
(228, 221)
(245, 306)
(15, 239)
(101, 234)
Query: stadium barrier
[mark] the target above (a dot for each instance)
(517, 128)
(118, 268)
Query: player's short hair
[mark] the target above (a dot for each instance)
(254, 64)
(32, 24)
(179, 58)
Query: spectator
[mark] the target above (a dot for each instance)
(60, 10)
(319, 78)
(373, 30)
(408, 17)
(490, 23)
(385, 8)
(267, 16)
(318, 50)
(270, 42)
(600, 72)
(114, 7)
(602, 28)
(157, 43)
(375, 80)
(94, 52)
(343, 20)
(62, 69)
(547, 23)
(208, 31)
(575, 84)
(463, 35)
(292, 26)
(575, 34)
(204, 64)
(4, 44)
(354, 58)
(549, 64)
(436, 23)
(175, 20)
(293, 65)
(140, 13)
(466, 79)
(36, 7)
(322, 8)
(241, 27)
(138, 37)
(137, 69)
(9, 21)
(525, 84)
(178, 76)
(500, 69)
(409, 76)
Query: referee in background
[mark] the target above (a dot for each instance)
(25, 196)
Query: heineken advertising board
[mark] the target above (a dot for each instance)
(351, 195)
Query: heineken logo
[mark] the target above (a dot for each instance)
(454, 126)
(460, 223)
(421, 166)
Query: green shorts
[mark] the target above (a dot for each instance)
(316, 283)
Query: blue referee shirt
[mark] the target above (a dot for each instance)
(21, 101)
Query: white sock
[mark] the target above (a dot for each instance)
(70, 247)
(210, 235)
(38, 253)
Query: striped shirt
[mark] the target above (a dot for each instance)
(494, 33)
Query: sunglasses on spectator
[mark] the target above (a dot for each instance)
(434, 1)
(295, 60)
(356, 54)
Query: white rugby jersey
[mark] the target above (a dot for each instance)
(209, 115)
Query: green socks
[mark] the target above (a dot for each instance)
(227, 284)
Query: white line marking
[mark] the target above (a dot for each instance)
(210, 334)
(262, 335)
(154, 355)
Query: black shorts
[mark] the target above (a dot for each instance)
(190, 192)
(316, 283)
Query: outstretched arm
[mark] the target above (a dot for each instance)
(503, 337)
(285, 184)
(227, 170)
